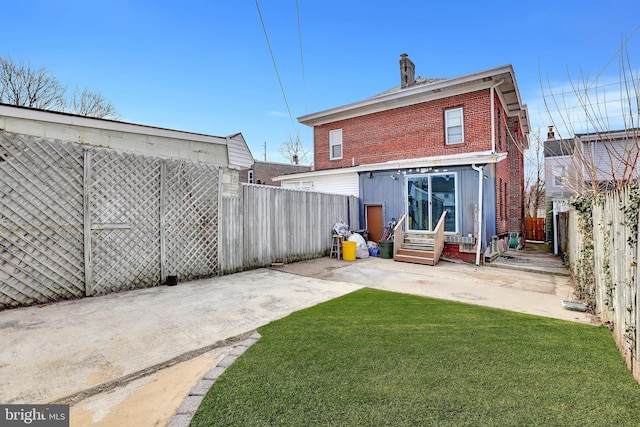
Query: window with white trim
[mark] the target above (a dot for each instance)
(427, 197)
(335, 144)
(250, 176)
(558, 175)
(454, 126)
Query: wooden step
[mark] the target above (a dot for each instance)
(414, 259)
(420, 252)
(417, 247)
(423, 240)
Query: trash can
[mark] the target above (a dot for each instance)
(349, 251)
(386, 249)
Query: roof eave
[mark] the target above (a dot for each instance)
(483, 157)
(412, 95)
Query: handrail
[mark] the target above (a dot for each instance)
(398, 235)
(438, 244)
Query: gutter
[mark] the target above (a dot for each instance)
(480, 170)
(493, 115)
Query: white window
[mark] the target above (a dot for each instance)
(454, 126)
(558, 175)
(335, 144)
(250, 176)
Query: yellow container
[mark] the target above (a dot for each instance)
(349, 251)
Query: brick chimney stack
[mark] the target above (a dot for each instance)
(551, 134)
(407, 71)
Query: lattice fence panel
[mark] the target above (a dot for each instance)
(125, 218)
(191, 212)
(41, 220)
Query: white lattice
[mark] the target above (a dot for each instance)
(139, 224)
(125, 215)
(191, 209)
(41, 217)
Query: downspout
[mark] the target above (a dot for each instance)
(480, 170)
(493, 115)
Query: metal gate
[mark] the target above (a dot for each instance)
(80, 221)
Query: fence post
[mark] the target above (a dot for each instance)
(219, 228)
(163, 221)
(88, 274)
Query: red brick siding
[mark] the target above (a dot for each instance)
(516, 183)
(452, 250)
(407, 132)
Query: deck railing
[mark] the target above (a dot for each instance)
(438, 236)
(438, 244)
(398, 235)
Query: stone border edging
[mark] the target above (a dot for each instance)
(191, 403)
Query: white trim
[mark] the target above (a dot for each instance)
(447, 126)
(333, 142)
(414, 95)
(433, 221)
(482, 157)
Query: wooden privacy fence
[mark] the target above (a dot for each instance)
(607, 253)
(78, 221)
(269, 224)
(534, 229)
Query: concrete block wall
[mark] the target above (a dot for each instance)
(212, 150)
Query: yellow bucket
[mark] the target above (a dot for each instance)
(349, 251)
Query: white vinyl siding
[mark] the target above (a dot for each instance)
(335, 144)
(454, 126)
(346, 184)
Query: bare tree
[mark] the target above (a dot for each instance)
(534, 180)
(294, 151)
(601, 129)
(23, 86)
(92, 104)
(26, 87)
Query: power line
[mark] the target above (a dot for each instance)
(266, 36)
(615, 54)
(304, 82)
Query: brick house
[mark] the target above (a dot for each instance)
(264, 172)
(425, 147)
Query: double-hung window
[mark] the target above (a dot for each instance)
(454, 126)
(335, 144)
(558, 175)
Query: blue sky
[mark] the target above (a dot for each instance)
(204, 66)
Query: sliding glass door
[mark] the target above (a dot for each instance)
(427, 197)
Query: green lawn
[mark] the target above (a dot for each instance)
(373, 358)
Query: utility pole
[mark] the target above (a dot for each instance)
(265, 151)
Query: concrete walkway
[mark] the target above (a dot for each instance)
(131, 358)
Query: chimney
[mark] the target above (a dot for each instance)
(550, 134)
(407, 71)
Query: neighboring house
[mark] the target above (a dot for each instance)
(585, 163)
(425, 147)
(264, 172)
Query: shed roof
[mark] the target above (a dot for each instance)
(239, 154)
